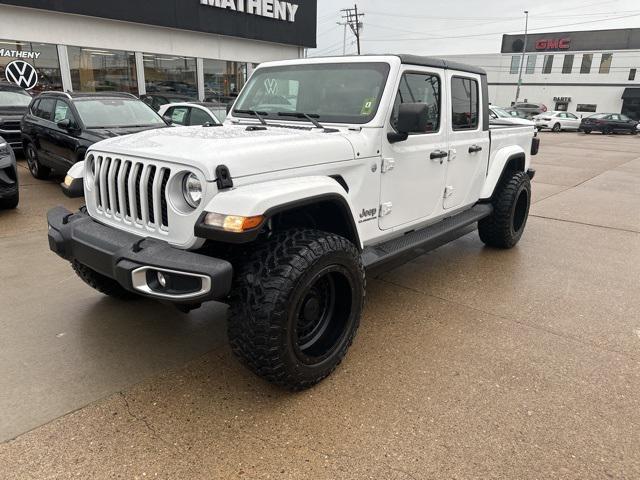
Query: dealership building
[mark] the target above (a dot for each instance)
(197, 48)
(580, 72)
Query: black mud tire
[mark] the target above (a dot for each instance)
(511, 203)
(607, 131)
(10, 203)
(102, 284)
(587, 131)
(557, 128)
(296, 305)
(36, 168)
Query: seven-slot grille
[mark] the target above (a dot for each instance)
(131, 191)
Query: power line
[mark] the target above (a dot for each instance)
(495, 33)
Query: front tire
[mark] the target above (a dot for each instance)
(587, 131)
(557, 128)
(102, 284)
(296, 306)
(511, 203)
(36, 168)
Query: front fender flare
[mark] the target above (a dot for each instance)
(273, 197)
(497, 167)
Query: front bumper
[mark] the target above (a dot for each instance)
(134, 261)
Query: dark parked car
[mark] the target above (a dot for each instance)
(8, 176)
(156, 100)
(608, 123)
(60, 127)
(14, 102)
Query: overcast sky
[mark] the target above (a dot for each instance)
(446, 27)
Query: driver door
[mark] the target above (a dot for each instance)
(414, 170)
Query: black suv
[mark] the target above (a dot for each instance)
(8, 176)
(14, 102)
(60, 127)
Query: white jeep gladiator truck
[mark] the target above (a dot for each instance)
(325, 169)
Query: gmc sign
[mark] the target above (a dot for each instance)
(553, 44)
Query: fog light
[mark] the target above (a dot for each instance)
(68, 180)
(162, 280)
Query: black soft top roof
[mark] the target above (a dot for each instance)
(440, 63)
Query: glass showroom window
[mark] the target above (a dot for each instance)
(531, 64)
(97, 70)
(170, 74)
(567, 66)
(42, 56)
(605, 62)
(223, 80)
(515, 64)
(587, 59)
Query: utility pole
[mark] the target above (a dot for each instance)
(352, 18)
(524, 51)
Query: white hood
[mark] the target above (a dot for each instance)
(244, 151)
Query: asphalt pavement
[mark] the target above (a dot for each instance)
(469, 363)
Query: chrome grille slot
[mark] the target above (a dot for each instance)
(163, 197)
(131, 191)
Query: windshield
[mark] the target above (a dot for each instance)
(598, 115)
(334, 93)
(500, 113)
(116, 112)
(14, 99)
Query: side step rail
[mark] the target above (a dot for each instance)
(426, 239)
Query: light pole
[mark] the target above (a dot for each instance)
(524, 50)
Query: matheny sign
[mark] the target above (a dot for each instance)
(266, 8)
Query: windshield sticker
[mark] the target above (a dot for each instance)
(271, 86)
(367, 106)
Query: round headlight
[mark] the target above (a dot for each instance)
(192, 190)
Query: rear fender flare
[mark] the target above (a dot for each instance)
(513, 157)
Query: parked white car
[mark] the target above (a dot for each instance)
(499, 116)
(325, 168)
(557, 121)
(193, 113)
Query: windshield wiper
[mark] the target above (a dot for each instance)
(309, 116)
(258, 115)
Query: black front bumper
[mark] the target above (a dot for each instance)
(118, 254)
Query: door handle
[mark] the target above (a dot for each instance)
(475, 149)
(439, 155)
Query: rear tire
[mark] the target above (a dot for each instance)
(36, 168)
(511, 203)
(296, 306)
(11, 202)
(105, 285)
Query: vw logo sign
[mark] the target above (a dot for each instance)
(22, 74)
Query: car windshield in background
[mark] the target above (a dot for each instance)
(15, 99)
(116, 112)
(333, 93)
(598, 115)
(501, 113)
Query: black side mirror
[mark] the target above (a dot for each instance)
(412, 118)
(65, 124)
(168, 120)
